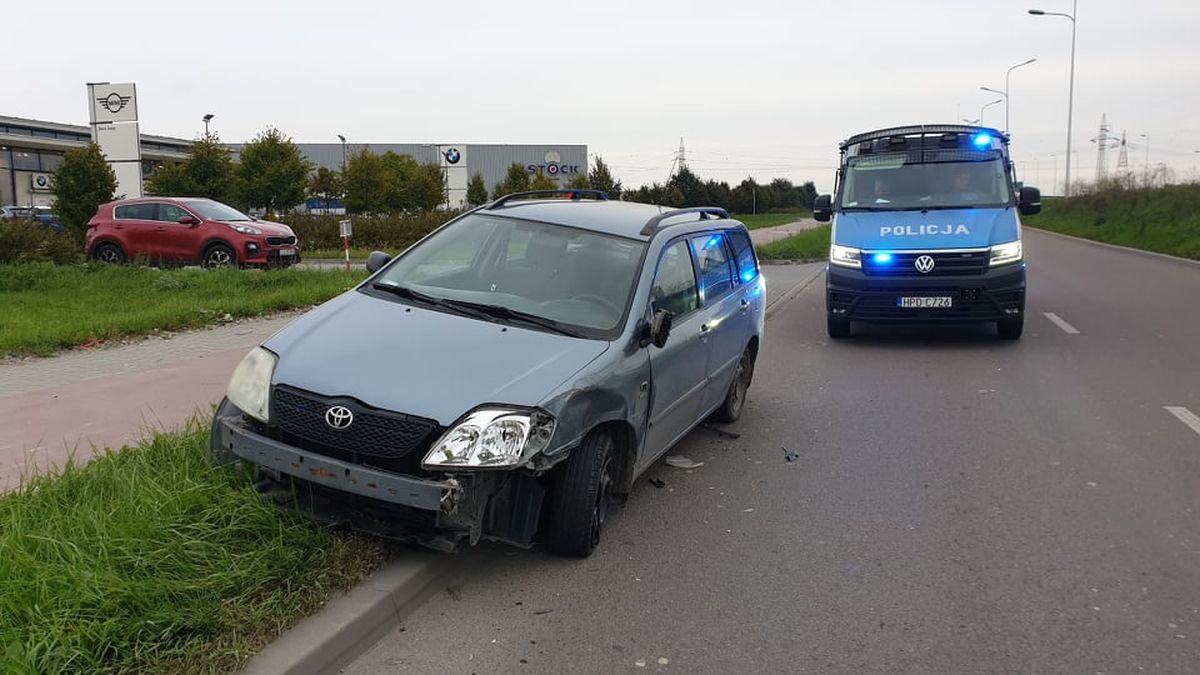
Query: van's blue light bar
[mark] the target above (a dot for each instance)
(881, 258)
(982, 140)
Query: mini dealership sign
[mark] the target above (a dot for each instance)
(114, 119)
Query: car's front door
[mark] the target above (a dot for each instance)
(678, 368)
(726, 322)
(175, 241)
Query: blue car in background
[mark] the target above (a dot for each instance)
(926, 229)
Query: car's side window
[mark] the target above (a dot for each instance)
(743, 255)
(715, 275)
(675, 281)
(171, 213)
(135, 211)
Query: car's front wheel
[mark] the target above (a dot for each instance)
(219, 255)
(581, 497)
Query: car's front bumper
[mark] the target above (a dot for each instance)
(994, 295)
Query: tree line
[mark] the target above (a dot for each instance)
(685, 189)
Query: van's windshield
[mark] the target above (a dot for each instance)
(578, 278)
(893, 183)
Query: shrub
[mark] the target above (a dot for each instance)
(27, 241)
(388, 233)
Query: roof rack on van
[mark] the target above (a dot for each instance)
(652, 225)
(573, 195)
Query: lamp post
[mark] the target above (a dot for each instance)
(1004, 94)
(1070, 87)
(970, 121)
(985, 106)
(343, 140)
(1006, 90)
(1146, 168)
(207, 118)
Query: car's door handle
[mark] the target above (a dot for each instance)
(160, 229)
(745, 305)
(704, 328)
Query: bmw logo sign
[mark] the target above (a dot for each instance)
(41, 181)
(452, 156)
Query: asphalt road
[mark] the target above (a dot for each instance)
(958, 504)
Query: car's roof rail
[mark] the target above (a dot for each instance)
(653, 224)
(573, 195)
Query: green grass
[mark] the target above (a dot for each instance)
(49, 307)
(148, 560)
(1166, 220)
(755, 221)
(358, 254)
(808, 245)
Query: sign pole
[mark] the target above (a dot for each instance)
(346, 232)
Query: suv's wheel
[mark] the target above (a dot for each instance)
(580, 499)
(838, 328)
(108, 253)
(735, 398)
(1010, 329)
(219, 255)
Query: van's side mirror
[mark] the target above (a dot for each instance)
(377, 260)
(660, 328)
(823, 208)
(1030, 201)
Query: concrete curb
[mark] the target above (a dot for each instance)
(1104, 244)
(351, 624)
(792, 292)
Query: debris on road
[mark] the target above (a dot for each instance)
(790, 456)
(658, 482)
(681, 462)
(640, 663)
(720, 432)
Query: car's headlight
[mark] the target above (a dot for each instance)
(845, 256)
(492, 438)
(1004, 254)
(244, 229)
(250, 386)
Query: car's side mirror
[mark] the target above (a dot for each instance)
(377, 260)
(823, 208)
(1030, 201)
(188, 220)
(660, 328)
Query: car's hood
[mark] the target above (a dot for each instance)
(420, 361)
(935, 229)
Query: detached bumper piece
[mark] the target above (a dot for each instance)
(994, 295)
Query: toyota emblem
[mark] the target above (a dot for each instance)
(339, 417)
(924, 264)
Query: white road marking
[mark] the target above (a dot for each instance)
(1067, 328)
(1186, 416)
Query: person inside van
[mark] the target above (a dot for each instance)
(882, 191)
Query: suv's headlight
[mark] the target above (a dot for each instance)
(244, 229)
(492, 438)
(1004, 254)
(845, 256)
(250, 386)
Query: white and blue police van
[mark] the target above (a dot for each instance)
(926, 229)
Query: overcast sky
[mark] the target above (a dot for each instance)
(754, 88)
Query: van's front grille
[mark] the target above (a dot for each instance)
(945, 263)
(373, 432)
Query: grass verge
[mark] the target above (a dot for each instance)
(757, 220)
(1166, 220)
(49, 307)
(149, 560)
(808, 245)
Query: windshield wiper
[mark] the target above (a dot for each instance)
(410, 294)
(502, 312)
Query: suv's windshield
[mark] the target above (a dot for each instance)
(894, 183)
(215, 210)
(573, 277)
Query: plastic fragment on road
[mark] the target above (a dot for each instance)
(790, 456)
(658, 482)
(681, 462)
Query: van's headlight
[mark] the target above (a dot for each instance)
(492, 438)
(845, 256)
(1004, 254)
(250, 386)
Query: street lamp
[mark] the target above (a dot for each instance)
(1006, 90)
(1005, 99)
(343, 140)
(985, 106)
(207, 118)
(1070, 87)
(975, 122)
(1146, 169)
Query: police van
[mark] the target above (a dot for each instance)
(925, 229)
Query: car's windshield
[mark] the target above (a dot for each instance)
(215, 210)
(574, 277)
(893, 183)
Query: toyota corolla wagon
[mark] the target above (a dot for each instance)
(506, 377)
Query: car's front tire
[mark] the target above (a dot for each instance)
(219, 255)
(581, 497)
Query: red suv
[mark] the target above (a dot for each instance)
(186, 230)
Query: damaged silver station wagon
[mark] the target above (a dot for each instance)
(507, 376)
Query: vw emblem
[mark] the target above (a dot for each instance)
(452, 156)
(924, 264)
(339, 417)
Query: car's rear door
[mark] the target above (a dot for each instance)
(135, 225)
(726, 323)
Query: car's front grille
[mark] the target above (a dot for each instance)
(301, 415)
(945, 263)
(281, 241)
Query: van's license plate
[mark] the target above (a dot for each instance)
(923, 302)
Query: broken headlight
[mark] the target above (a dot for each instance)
(492, 438)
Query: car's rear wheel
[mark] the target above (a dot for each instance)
(735, 397)
(109, 253)
(1011, 329)
(581, 497)
(219, 255)
(838, 328)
